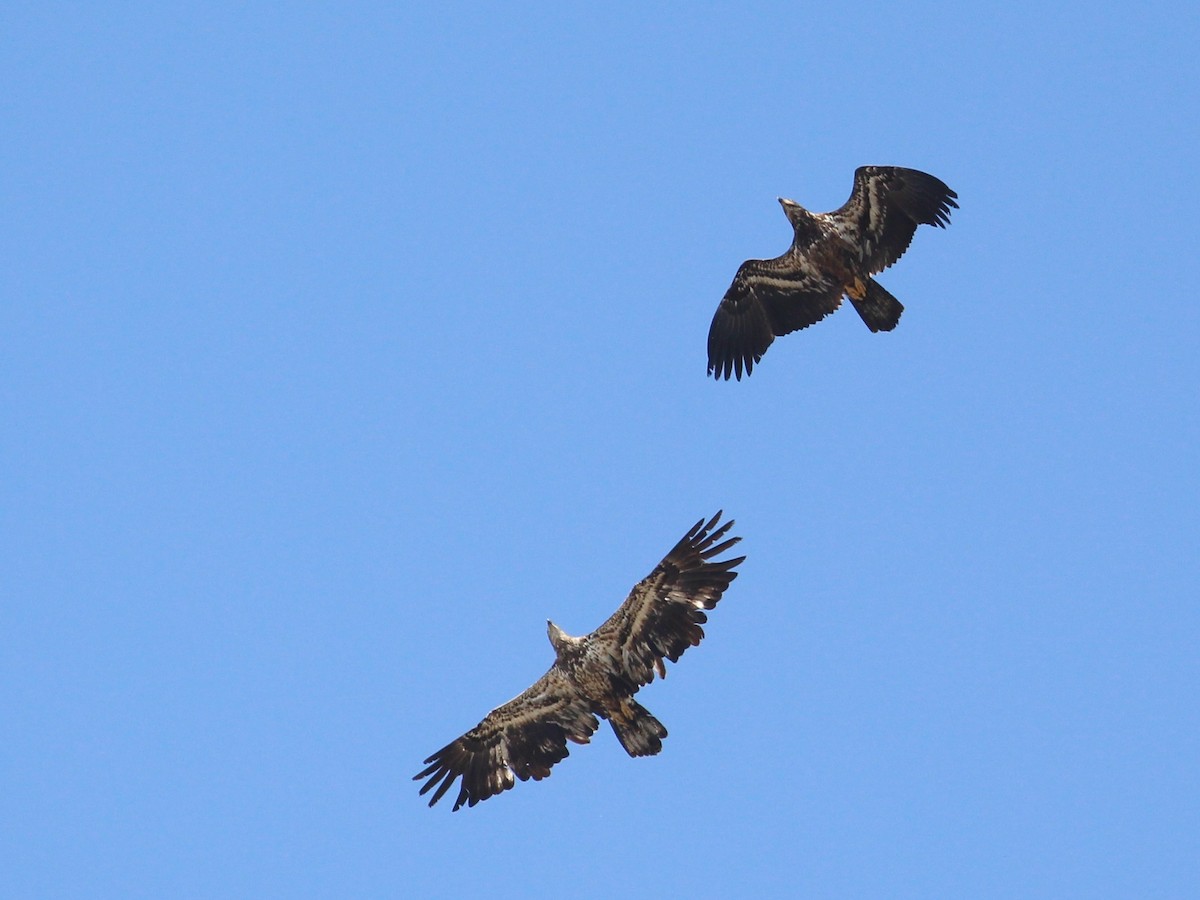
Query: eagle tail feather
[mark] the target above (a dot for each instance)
(638, 731)
(878, 308)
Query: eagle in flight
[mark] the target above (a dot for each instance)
(832, 254)
(594, 675)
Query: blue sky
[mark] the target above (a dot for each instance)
(343, 346)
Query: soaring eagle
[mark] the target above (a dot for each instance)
(594, 675)
(832, 254)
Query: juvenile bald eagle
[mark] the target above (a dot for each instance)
(594, 675)
(832, 254)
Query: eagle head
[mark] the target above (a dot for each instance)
(559, 639)
(801, 219)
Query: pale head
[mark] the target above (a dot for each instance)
(793, 210)
(559, 639)
(803, 222)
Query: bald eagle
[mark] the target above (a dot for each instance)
(832, 254)
(594, 675)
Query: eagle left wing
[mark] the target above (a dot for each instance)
(663, 614)
(885, 208)
(768, 298)
(523, 738)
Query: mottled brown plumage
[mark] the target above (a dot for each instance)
(594, 675)
(832, 254)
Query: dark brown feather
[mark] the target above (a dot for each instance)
(885, 208)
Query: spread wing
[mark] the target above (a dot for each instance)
(885, 208)
(663, 614)
(768, 298)
(521, 739)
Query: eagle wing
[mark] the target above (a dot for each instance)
(768, 298)
(521, 739)
(663, 614)
(885, 208)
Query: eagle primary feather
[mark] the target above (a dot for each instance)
(594, 675)
(832, 254)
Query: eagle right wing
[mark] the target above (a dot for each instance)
(522, 738)
(768, 298)
(885, 207)
(663, 614)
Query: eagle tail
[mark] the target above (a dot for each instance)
(639, 732)
(878, 308)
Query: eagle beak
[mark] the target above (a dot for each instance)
(785, 202)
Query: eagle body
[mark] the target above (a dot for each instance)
(832, 255)
(593, 677)
(601, 679)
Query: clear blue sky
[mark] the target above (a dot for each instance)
(342, 346)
